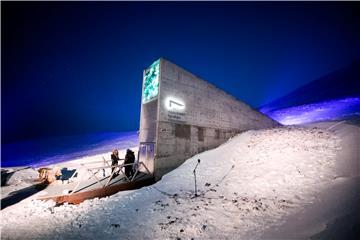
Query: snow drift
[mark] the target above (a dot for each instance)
(247, 186)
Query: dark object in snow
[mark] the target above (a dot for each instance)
(51, 209)
(5, 176)
(207, 184)
(115, 225)
(195, 176)
(204, 227)
(137, 209)
(181, 230)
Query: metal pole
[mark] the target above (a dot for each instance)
(195, 184)
(195, 177)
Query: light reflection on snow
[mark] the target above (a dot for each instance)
(42, 152)
(316, 112)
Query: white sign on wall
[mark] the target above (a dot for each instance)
(175, 108)
(174, 104)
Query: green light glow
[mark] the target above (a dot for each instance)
(151, 82)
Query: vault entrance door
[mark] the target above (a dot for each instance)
(146, 155)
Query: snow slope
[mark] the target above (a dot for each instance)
(248, 186)
(25, 178)
(338, 109)
(335, 96)
(70, 150)
(41, 152)
(340, 84)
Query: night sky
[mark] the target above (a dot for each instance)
(73, 68)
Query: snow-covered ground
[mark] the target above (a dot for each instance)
(25, 177)
(42, 152)
(258, 185)
(330, 110)
(64, 152)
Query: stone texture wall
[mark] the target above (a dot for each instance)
(194, 116)
(148, 121)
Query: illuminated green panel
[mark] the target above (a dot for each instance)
(151, 82)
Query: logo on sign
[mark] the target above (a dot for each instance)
(174, 104)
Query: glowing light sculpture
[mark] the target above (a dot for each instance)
(151, 82)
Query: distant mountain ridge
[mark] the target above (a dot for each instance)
(338, 84)
(46, 151)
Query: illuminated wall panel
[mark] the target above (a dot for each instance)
(151, 82)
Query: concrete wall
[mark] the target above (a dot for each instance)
(194, 116)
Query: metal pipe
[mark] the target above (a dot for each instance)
(195, 176)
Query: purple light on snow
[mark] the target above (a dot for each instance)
(316, 112)
(42, 152)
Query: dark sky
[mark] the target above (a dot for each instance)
(72, 68)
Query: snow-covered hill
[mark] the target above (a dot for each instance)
(338, 109)
(340, 84)
(335, 96)
(248, 187)
(40, 152)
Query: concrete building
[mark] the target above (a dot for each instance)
(182, 115)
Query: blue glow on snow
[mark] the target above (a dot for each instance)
(317, 112)
(42, 152)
